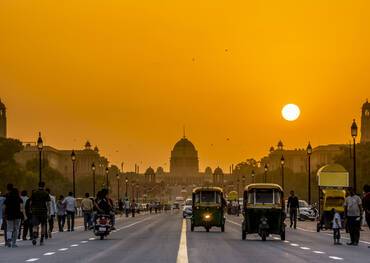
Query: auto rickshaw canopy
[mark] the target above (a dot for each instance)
(263, 186)
(207, 188)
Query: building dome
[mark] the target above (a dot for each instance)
(218, 171)
(96, 149)
(87, 145)
(184, 147)
(149, 171)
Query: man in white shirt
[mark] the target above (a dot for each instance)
(53, 211)
(353, 211)
(71, 207)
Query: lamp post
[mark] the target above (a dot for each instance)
(93, 168)
(309, 152)
(73, 158)
(40, 145)
(243, 179)
(354, 135)
(266, 170)
(106, 178)
(126, 181)
(282, 163)
(118, 177)
(253, 176)
(238, 183)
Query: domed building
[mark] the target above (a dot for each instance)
(184, 163)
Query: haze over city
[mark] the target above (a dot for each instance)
(128, 76)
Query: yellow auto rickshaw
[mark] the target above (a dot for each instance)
(263, 210)
(208, 208)
(329, 199)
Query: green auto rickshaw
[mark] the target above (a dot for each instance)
(208, 208)
(263, 210)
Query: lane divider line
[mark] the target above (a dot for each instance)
(32, 259)
(182, 255)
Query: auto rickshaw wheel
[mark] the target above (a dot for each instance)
(282, 235)
(207, 229)
(263, 235)
(318, 227)
(244, 235)
(223, 228)
(192, 227)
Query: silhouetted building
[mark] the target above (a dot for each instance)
(365, 122)
(184, 163)
(2, 120)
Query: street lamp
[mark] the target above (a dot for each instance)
(354, 135)
(282, 163)
(93, 168)
(118, 177)
(243, 179)
(126, 181)
(40, 145)
(253, 176)
(73, 158)
(106, 178)
(309, 152)
(266, 170)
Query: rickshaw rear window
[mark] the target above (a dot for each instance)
(208, 197)
(334, 201)
(264, 196)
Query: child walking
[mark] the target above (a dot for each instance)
(337, 225)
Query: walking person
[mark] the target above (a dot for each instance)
(9, 188)
(337, 225)
(61, 213)
(293, 208)
(127, 207)
(353, 211)
(133, 207)
(53, 211)
(2, 214)
(71, 207)
(28, 226)
(87, 206)
(25, 219)
(13, 215)
(40, 206)
(366, 204)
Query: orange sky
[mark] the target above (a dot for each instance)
(127, 75)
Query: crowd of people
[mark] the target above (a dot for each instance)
(32, 217)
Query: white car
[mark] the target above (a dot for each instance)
(187, 210)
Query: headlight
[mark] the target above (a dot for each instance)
(207, 216)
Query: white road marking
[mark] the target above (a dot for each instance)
(92, 238)
(49, 253)
(305, 248)
(182, 255)
(346, 238)
(74, 245)
(294, 245)
(286, 241)
(306, 230)
(318, 252)
(276, 238)
(32, 259)
(84, 242)
(63, 249)
(336, 258)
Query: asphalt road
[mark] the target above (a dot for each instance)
(166, 237)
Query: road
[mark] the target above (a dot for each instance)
(166, 237)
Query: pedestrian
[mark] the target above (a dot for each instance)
(133, 207)
(353, 211)
(337, 225)
(293, 208)
(366, 204)
(13, 215)
(25, 220)
(53, 211)
(29, 230)
(127, 207)
(2, 214)
(61, 213)
(40, 206)
(87, 206)
(9, 188)
(71, 208)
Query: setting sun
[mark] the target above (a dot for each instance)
(290, 112)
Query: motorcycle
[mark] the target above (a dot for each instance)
(309, 213)
(103, 226)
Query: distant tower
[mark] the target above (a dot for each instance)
(365, 123)
(2, 120)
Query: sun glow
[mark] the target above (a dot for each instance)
(290, 112)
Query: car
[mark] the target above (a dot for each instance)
(187, 210)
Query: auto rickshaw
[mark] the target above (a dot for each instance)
(263, 210)
(329, 199)
(208, 208)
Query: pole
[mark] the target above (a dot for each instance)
(107, 181)
(74, 178)
(265, 176)
(309, 179)
(126, 187)
(94, 183)
(118, 189)
(354, 166)
(282, 176)
(40, 166)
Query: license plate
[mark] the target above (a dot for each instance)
(102, 229)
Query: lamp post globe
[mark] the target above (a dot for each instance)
(253, 174)
(266, 168)
(282, 163)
